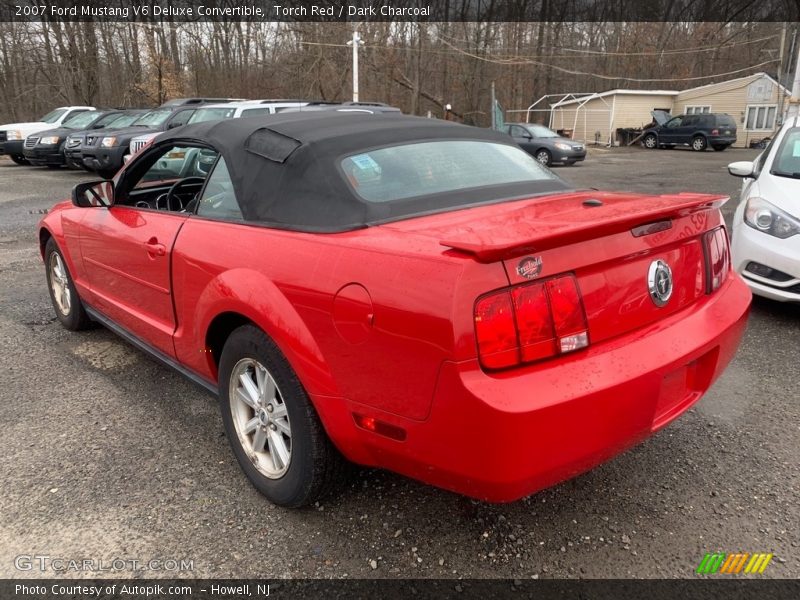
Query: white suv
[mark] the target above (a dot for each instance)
(12, 136)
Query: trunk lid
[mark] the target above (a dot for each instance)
(607, 240)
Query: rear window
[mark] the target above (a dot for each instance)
(426, 168)
(726, 121)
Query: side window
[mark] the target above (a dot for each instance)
(254, 112)
(104, 121)
(167, 178)
(180, 118)
(175, 163)
(517, 131)
(673, 123)
(219, 200)
(758, 163)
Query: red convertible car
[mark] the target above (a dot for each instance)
(405, 293)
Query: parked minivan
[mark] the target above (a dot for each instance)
(699, 131)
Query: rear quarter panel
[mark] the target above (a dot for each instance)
(287, 283)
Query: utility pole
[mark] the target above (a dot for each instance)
(355, 43)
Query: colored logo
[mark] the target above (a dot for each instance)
(737, 563)
(530, 266)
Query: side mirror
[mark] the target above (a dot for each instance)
(173, 125)
(93, 193)
(742, 168)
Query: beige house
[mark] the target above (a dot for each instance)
(753, 101)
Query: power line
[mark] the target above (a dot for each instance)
(517, 62)
(611, 53)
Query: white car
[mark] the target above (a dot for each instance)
(12, 136)
(766, 225)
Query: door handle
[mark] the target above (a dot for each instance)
(154, 248)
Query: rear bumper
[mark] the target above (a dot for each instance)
(503, 437)
(44, 156)
(11, 147)
(569, 155)
(722, 140)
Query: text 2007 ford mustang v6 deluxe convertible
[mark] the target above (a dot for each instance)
(408, 293)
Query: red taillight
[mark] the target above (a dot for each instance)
(568, 315)
(718, 258)
(715, 132)
(496, 332)
(536, 335)
(530, 322)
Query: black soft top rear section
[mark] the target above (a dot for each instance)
(285, 167)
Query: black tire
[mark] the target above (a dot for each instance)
(19, 159)
(650, 141)
(106, 173)
(699, 143)
(720, 148)
(543, 157)
(75, 318)
(315, 467)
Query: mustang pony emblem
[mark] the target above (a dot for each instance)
(659, 282)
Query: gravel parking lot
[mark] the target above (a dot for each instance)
(107, 454)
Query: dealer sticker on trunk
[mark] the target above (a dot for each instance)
(530, 267)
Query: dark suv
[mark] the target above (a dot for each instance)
(104, 150)
(699, 131)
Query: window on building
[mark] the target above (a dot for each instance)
(761, 117)
(696, 110)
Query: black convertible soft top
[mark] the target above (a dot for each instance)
(286, 174)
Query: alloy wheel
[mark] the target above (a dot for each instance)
(60, 284)
(260, 418)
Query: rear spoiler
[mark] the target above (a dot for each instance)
(596, 221)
